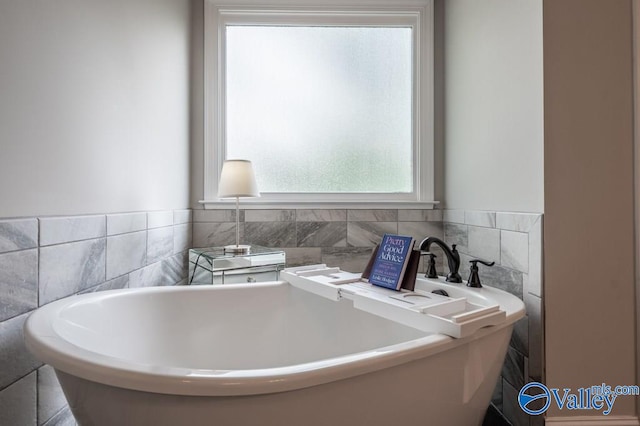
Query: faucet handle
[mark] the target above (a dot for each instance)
(474, 278)
(431, 266)
(484, 262)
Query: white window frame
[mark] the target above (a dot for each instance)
(418, 14)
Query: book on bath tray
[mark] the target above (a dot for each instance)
(390, 261)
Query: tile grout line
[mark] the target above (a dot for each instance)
(106, 252)
(22, 377)
(38, 267)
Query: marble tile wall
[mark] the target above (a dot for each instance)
(514, 242)
(48, 258)
(337, 237)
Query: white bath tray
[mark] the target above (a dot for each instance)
(455, 317)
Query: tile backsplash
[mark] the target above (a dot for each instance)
(514, 242)
(47, 258)
(338, 237)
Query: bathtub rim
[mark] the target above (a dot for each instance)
(42, 340)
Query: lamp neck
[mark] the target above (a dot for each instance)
(237, 222)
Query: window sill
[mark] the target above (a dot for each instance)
(253, 204)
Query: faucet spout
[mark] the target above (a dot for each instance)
(453, 257)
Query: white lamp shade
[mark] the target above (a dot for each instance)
(237, 179)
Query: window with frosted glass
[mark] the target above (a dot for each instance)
(321, 109)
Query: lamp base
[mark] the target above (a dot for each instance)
(240, 248)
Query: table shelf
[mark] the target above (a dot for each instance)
(212, 265)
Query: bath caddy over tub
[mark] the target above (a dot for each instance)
(421, 309)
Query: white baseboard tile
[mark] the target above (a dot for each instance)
(593, 421)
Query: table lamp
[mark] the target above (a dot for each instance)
(237, 179)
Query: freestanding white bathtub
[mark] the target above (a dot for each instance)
(263, 354)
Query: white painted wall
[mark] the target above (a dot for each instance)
(94, 106)
(493, 105)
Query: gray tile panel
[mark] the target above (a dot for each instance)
(511, 409)
(480, 218)
(520, 336)
(453, 216)
(534, 279)
(15, 359)
(431, 215)
(149, 276)
(321, 234)
(66, 269)
(458, 235)
(514, 250)
(114, 284)
(367, 215)
(215, 234)
(321, 215)
(270, 234)
(58, 230)
(175, 268)
(126, 253)
(214, 215)
(484, 243)
(18, 403)
(158, 219)
(269, 215)
(368, 234)
(496, 276)
(159, 244)
(521, 222)
(18, 283)
(169, 271)
(502, 278)
(420, 230)
(182, 237)
(182, 216)
(123, 223)
(533, 305)
(63, 417)
(50, 397)
(513, 368)
(18, 234)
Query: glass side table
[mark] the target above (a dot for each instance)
(211, 265)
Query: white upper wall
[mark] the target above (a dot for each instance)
(493, 105)
(94, 106)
